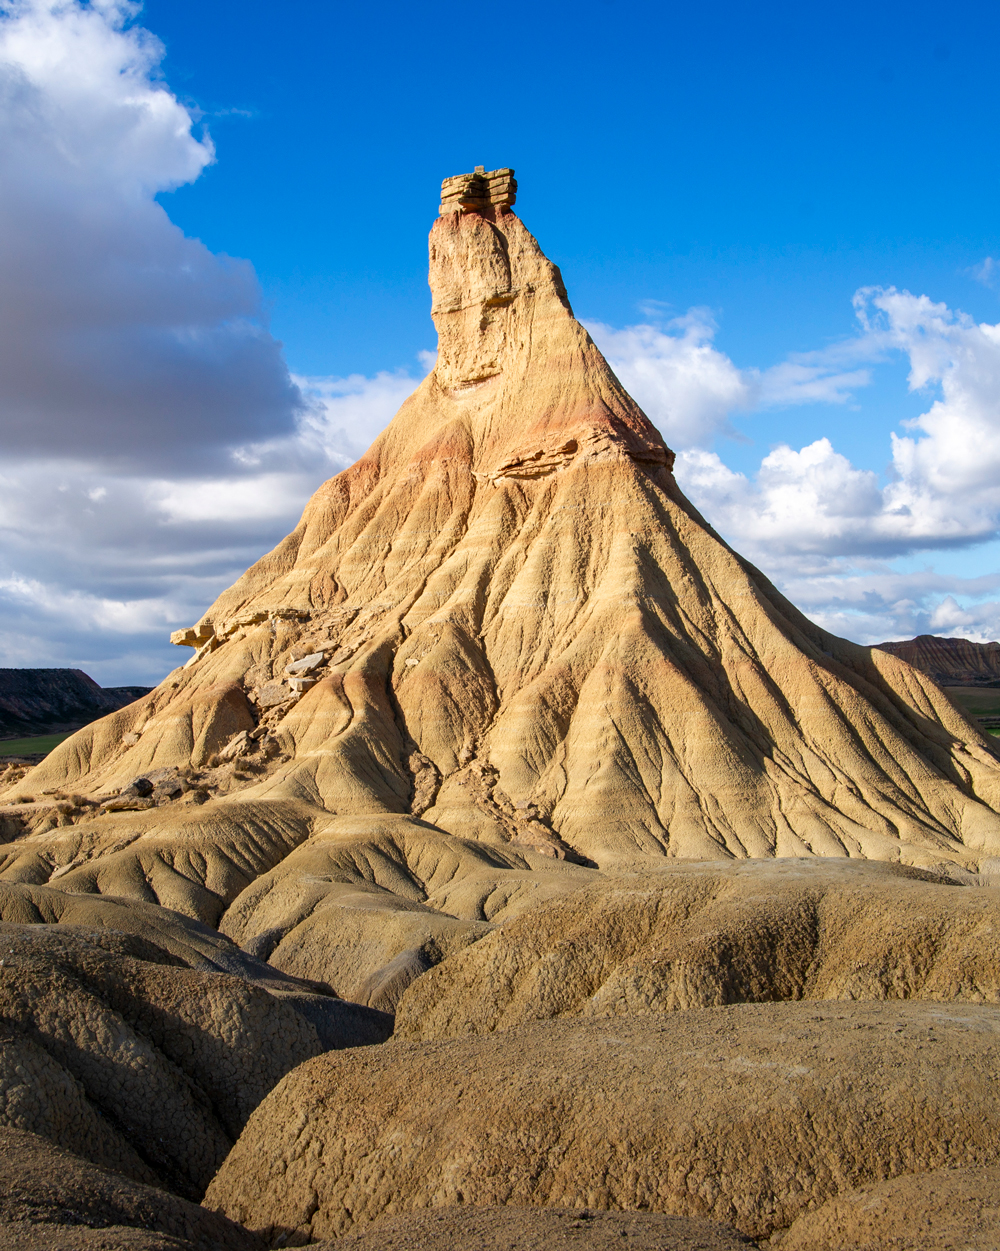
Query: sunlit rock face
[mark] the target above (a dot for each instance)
(500, 653)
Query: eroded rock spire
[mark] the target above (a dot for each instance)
(522, 640)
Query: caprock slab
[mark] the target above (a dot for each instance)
(503, 639)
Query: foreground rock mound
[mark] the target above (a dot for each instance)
(50, 1198)
(337, 1022)
(111, 1049)
(528, 1229)
(943, 1210)
(506, 623)
(700, 935)
(369, 904)
(748, 1115)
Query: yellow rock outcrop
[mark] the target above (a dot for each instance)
(505, 643)
(749, 1115)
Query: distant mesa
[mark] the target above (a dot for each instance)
(950, 662)
(55, 701)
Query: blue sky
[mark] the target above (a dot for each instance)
(723, 178)
(764, 160)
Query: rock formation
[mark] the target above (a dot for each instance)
(498, 740)
(55, 701)
(506, 622)
(749, 1115)
(950, 662)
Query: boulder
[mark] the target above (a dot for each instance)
(941, 1210)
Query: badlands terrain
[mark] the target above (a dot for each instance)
(951, 662)
(53, 701)
(509, 864)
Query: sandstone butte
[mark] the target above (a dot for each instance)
(506, 705)
(500, 653)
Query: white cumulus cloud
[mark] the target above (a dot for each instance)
(691, 390)
(944, 483)
(685, 384)
(825, 529)
(121, 340)
(152, 441)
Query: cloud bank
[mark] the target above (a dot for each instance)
(152, 441)
(121, 341)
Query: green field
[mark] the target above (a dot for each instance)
(30, 746)
(978, 701)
